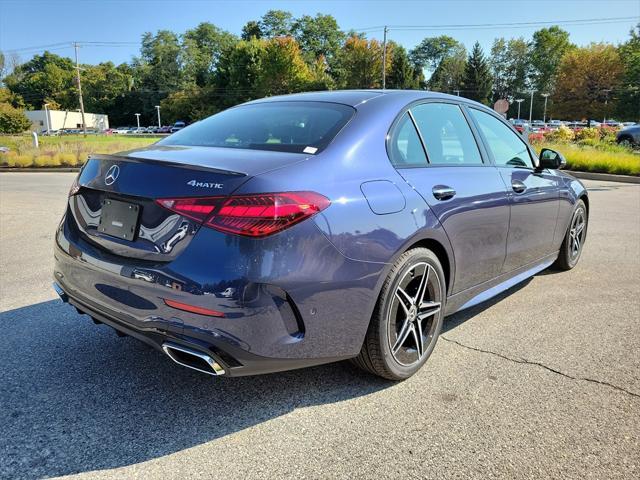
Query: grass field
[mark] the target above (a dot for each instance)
(72, 150)
(68, 150)
(598, 158)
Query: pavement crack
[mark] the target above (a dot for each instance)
(524, 361)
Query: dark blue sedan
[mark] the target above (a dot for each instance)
(310, 228)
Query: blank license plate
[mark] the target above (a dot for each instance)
(119, 219)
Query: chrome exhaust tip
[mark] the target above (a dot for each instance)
(192, 359)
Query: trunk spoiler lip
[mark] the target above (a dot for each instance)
(124, 157)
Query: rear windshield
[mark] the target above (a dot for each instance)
(298, 127)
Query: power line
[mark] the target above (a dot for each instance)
(469, 26)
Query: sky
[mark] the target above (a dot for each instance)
(36, 23)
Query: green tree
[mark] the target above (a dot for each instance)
(401, 75)
(102, 84)
(321, 78)
(12, 120)
(284, 70)
(45, 77)
(319, 35)
(276, 23)
(360, 63)
(547, 49)
(201, 51)
(585, 81)
(510, 67)
(13, 99)
(251, 30)
(449, 75)
(239, 72)
(477, 77)
(433, 50)
(628, 96)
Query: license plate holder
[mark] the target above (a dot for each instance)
(119, 219)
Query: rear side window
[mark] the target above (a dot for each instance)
(406, 148)
(507, 148)
(298, 127)
(446, 134)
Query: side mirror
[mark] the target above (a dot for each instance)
(551, 159)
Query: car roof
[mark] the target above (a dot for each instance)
(357, 97)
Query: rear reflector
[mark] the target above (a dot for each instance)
(192, 308)
(256, 215)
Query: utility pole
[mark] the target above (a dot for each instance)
(519, 100)
(544, 115)
(158, 108)
(531, 107)
(76, 46)
(138, 121)
(384, 59)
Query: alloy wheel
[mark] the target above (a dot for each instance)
(413, 314)
(576, 233)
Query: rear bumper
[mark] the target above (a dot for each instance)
(234, 362)
(291, 301)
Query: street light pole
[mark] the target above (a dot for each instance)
(531, 107)
(158, 108)
(76, 46)
(46, 118)
(606, 101)
(384, 59)
(519, 100)
(138, 120)
(544, 115)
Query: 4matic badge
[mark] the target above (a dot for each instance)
(195, 183)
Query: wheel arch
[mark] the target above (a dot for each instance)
(441, 253)
(585, 198)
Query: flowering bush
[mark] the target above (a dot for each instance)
(562, 134)
(588, 134)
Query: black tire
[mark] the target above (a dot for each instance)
(391, 316)
(568, 256)
(625, 141)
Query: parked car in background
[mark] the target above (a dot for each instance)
(177, 127)
(50, 133)
(629, 135)
(165, 129)
(520, 125)
(555, 124)
(121, 130)
(434, 203)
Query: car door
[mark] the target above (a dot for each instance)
(534, 195)
(434, 149)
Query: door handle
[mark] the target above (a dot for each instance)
(443, 192)
(518, 186)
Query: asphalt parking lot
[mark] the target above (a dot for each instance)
(542, 382)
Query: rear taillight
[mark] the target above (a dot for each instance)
(75, 186)
(255, 215)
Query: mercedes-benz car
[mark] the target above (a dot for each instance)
(310, 228)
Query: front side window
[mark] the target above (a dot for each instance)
(446, 134)
(298, 127)
(507, 148)
(406, 149)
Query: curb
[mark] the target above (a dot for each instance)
(607, 177)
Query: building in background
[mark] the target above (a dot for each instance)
(61, 120)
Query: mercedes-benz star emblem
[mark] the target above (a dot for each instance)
(112, 174)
